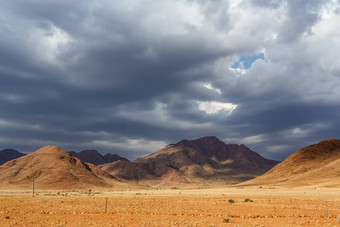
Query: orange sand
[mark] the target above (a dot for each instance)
(204, 207)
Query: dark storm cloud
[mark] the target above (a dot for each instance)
(132, 76)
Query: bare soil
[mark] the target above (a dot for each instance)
(175, 207)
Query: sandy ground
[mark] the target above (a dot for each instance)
(196, 207)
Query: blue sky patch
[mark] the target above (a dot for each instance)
(246, 61)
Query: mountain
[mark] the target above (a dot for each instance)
(92, 156)
(202, 161)
(145, 172)
(52, 168)
(9, 154)
(315, 165)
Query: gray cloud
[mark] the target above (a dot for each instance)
(129, 77)
(301, 17)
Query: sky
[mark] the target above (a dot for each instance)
(132, 76)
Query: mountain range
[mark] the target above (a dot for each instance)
(9, 154)
(202, 161)
(206, 162)
(92, 156)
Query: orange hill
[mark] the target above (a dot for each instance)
(52, 168)
(314, 165)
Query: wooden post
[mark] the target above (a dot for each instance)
(228, 210)
(33, 185)
(106, 205)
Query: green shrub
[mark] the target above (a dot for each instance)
(225, 220)
(231, 201)
(248, 200)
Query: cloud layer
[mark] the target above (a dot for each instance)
(133, 76)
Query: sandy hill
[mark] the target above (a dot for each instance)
(92, 156)
(203, 161)
(314, 165)
(52, 168)
(9, 154)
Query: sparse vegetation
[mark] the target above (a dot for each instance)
(166, 207)
(225, 220)
(7, 217)
(248, 200)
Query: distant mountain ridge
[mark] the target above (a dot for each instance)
(94, 157)
(9, 154)
(204, 160)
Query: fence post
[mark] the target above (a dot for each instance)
(106, 205)
(33, 187)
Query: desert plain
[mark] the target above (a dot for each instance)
(228, 206)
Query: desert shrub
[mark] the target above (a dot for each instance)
(7, 217)
(248, 200)
(231, 201)
(225, 220)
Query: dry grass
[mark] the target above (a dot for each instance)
(270, 207)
